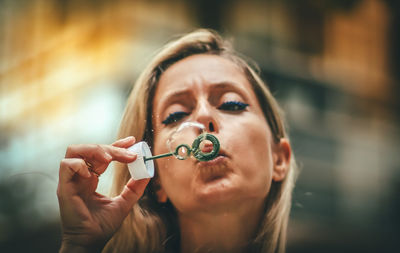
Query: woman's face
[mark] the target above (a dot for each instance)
(213, 91)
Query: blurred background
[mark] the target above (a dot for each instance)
(66, 67)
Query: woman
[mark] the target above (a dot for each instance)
(238, 202)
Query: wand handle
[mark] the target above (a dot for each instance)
(157, 156)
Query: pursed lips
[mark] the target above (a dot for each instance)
(214, 169)
(207, 148)
(221, 154)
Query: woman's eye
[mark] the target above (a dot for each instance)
(174, 117)
(233, 106)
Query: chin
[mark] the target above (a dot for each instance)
(217, 192)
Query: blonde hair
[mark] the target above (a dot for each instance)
(152, 226)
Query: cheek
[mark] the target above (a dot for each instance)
(165, 166)
(174, 174)
(175, 178)
(253, 155)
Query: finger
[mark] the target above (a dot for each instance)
(125, 142)
(117, 154)
(100, 153)
(120, 154)
(131, 193)
(69, 167)
(88, 152)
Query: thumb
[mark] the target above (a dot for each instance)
(131, 193)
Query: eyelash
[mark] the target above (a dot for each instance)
(226, 106)
(174, 117)
(233, 106)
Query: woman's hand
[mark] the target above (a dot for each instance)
(89, 219)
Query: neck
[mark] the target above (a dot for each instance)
(229, 231)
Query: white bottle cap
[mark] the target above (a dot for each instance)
(140, 169)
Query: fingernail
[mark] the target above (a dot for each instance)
(130, 153)
(127, 138)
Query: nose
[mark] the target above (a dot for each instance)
(206, 115)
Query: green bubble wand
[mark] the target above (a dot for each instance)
(195, 150)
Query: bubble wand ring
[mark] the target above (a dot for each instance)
(200, 155)
(184, 149)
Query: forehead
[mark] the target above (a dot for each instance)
(201, 70)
